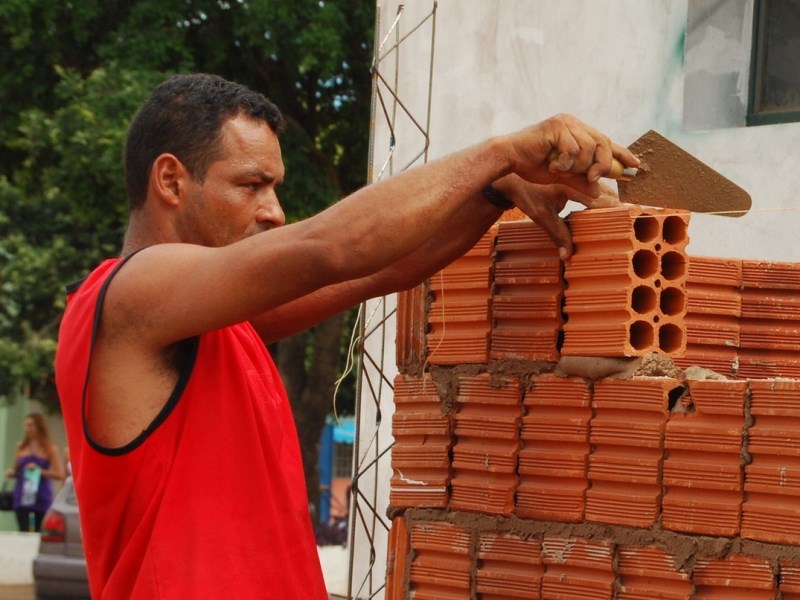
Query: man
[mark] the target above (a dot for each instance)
(183, 447)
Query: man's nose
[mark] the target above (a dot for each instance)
(270, 212)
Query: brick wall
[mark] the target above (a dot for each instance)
(513, 479)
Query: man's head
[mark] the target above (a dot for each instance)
(184, 117)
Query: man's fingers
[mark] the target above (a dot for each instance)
(602, 162)
(556, 229)
(580, 187)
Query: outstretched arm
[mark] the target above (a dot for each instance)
(444, 246)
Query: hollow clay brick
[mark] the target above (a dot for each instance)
(733, 578)
(647, 572)
(527, 296)
(771, 512)
(770, 322)
(509, 567)
(555, 448)
(411, 327)
(627, 434)
(713, 308)
(398, 546)
(577, 568)
(460, 314)
(626, 293)
(789, 580)
(755, 363)
(486, 445)
(703, 473)
(771, 275)
(421, 451)
(442, 561)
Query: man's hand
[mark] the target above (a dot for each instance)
(543, 203)
(565, 150)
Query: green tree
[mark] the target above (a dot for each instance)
(71, 76)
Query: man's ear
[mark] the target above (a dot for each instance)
(167, 178)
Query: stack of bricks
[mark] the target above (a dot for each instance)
(512, 479)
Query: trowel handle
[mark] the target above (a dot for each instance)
(620, 172)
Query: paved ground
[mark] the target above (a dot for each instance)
(16, 592)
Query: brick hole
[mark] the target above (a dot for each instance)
(675, 397)
(658, 247)
(643, 299)
(672, 301)
(673, 265)
(657, 283)
(564, 319)
(670, 337)
(641, 335)
(646, 228)
(674, 230)
(645, 263)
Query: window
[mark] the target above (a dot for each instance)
(775, 80)
(741, 63)
(343, 460)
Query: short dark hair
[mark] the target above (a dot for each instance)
(184, 116)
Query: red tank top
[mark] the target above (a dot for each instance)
(210, 500)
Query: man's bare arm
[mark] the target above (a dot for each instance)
(444, 246)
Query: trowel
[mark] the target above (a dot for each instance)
(670, 177)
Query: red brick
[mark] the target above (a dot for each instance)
(421, 451)
(528, 292)
(762, 363)
(789, 580)
(649, 572)
(771, 275)
(626, 293)
(770, 322)
(734, 578)
(627, 433)
(411, 327)
(399, 545)
(577, 568)
(487, 445)
(703, 473)
(442, 562)
(460, 314)
(771, 512)
(713, 308)
(509, 567)
(555, 448)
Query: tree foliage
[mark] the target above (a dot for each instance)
(71, 77)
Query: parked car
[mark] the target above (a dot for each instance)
(59, 570)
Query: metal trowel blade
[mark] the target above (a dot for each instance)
(670, 177)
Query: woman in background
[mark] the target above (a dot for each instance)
(36, 463)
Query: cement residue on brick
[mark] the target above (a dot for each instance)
(685, 549)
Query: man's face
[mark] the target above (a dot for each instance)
(237, 198)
